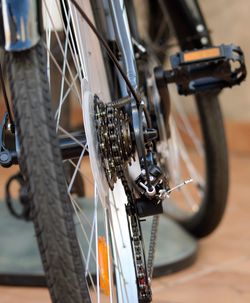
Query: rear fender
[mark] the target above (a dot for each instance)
(22, 24)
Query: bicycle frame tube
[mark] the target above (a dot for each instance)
(189, 23)
(123, 38)
(21, 24)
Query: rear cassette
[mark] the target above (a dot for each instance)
(114, 139)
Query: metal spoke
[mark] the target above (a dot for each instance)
(189, 199)
(88, 273)
(76, 170)
(81, 172)
(74, 52)
(66, 94)
(63, 72)
(96, 243)
(79, 209)
(110, 271)
(189, 164)
(84, 63)
(72, 137)
(91, 239)
(188, 128)
(82, 229)
(51, 56)
(58, 38)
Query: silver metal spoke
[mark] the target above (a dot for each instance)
(83, 230)
(66, 94)
(188, 162)
(192, 204)
(96, 244)
(78, 34)
(188, 128)
(58, 38)
(182, 151)
(110, 269)
(75, 172)
(48, 41)
(63, 72)
(74, 51)
(81, 172)
(87, 273)
(80, 210)
(51, 56)
(72, 137)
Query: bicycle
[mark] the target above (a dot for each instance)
(119, 116)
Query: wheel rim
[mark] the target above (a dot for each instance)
(69, 44)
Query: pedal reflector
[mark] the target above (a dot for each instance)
(207, 69)
(200, 55)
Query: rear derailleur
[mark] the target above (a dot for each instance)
(117, 137)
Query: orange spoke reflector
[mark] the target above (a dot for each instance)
(103, 258)
(202, 54)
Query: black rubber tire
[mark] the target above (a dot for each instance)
(41, 165)
(214, 203)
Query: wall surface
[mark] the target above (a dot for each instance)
(229, 22)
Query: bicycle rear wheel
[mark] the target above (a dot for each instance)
(197, 147)
(82, 242)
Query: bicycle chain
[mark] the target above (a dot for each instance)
(152, 245)
(116, 151)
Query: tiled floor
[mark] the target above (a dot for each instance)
(222, 270)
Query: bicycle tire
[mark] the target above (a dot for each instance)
(41, 166)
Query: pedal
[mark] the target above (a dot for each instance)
(206, 69)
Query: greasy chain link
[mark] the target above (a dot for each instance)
(116, 152)
(152, 245)
(143, 282)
